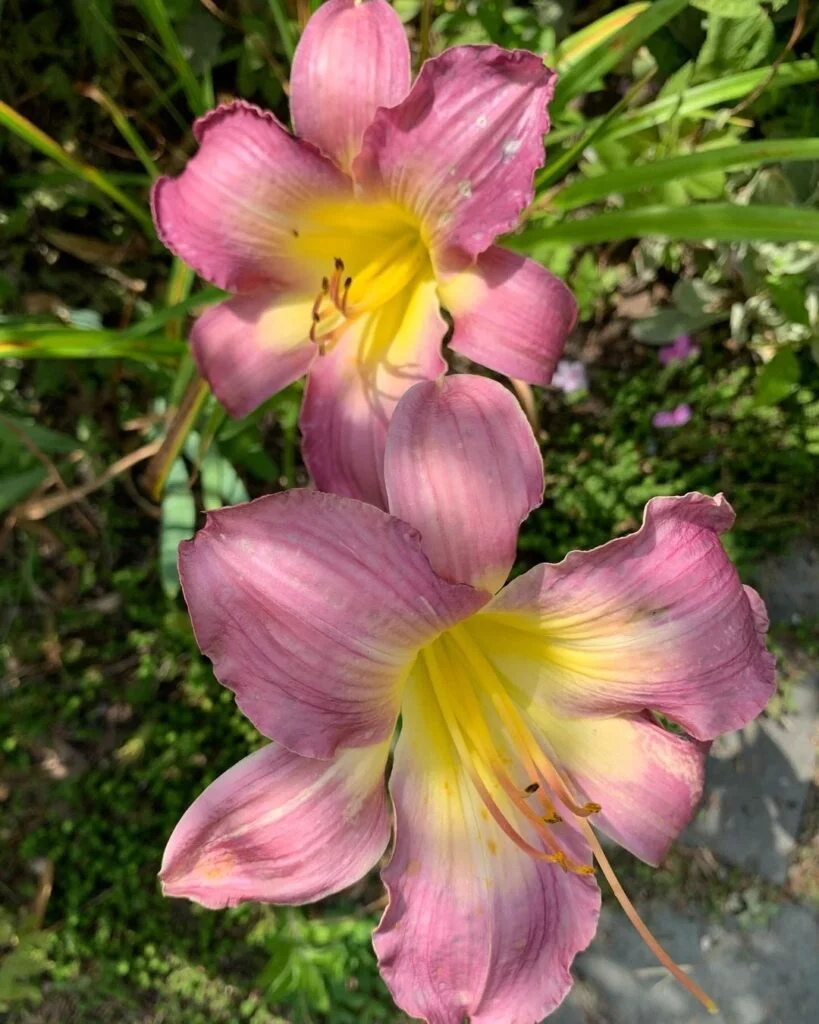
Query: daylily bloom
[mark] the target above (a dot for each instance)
(342, 243)
(526, 709)
(570, 377)
(678, 351)
(676, 417)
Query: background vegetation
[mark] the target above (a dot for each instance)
(679, 196)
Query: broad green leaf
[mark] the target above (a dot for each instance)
(221, 484)
(668, 324)
(677, 168)
(177, 524)
(729, 8)
(47, 440)
(586, 71)
(16, 486)
(778, 378)
(38, 139)
(718, 222)
(789, 295)
(734, 45)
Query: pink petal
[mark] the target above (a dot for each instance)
(251, 347)
(510, 314)
(475, 928)
(353, 390)
(461, 150)
(463, 467)
(352, 59)
(312, 608)
(656, 620)
(279, 828)
(233, 211)
(677, 417)
(648, 781)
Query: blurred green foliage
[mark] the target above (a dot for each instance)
(110, 721)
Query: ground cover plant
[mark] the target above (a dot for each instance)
(678, 199)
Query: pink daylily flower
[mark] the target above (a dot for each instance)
(527, 709)
(678, 351)
(676, 417)
(342, 243)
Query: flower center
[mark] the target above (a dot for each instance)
(358, 256)
(516, 781)
(505, 763)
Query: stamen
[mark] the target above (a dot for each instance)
(483, 766)
(533, 787)
(640, 926)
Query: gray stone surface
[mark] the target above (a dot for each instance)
(756, 785)
(789, 583)
(766, 975)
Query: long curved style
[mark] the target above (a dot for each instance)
(529, 709)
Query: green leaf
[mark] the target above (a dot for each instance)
(718, 222)
(586, 71)
(16, 486)
(668, 324)
(788, 296)
(677, 168)
(178, 518)
(221, 484)
(734, 45)
(49, 441)
(729, 8)
(778, 378)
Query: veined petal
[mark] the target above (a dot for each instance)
(647, 780)
(463, 467)
(252, 346)
(353, 390)
(352, 59)
(279, 828)
(475, 928)
(657, 620)
(461, 150)
(312, 608)
(234, 210)
(510, 314)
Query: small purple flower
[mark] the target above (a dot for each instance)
(677, 417)
(679, 350)
(570, 376)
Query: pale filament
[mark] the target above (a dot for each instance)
(466, 721)
(380, 280)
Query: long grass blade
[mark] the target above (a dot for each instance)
(36, 341)
(589, 38)
(277, 9)
(157, 14)
(699, 222)
(611, 49)
(693, 101)
(35, 137)
(631, 179)
(124, 126)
